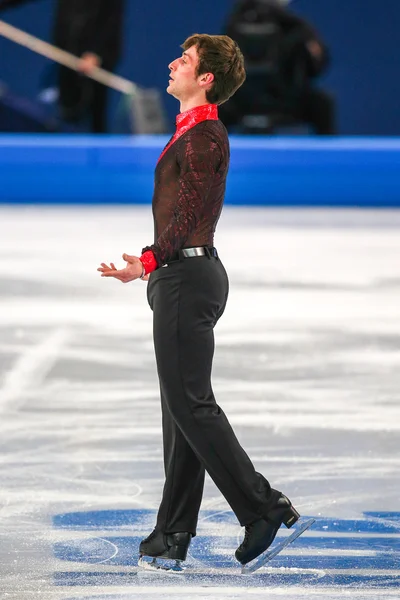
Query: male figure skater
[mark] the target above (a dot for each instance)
(91, 29)
(187, 298)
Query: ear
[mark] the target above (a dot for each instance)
(207, 78)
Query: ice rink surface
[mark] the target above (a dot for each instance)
(307, 368)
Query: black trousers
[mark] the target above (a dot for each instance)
(81, 98)
(317, 108)
(187, 298)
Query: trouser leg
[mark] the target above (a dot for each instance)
(99, 108)
(319, 110)
(82, 98)
(187, 299)
(71, 95)
(184, 479)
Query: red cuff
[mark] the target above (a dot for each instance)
(149, 261)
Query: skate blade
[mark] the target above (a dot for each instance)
(160, 564)
(269, 554)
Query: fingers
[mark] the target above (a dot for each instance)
(113, 273)
(110, 271)
(127, 274)
(105, 267)
(129, 258)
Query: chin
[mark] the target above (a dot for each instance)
(172, 93)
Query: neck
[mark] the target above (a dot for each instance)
(192, 103)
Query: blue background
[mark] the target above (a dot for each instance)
(362, 35)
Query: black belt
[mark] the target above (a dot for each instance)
(193, 252)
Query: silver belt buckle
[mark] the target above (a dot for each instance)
(191, 252)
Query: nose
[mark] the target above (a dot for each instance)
(172, 65)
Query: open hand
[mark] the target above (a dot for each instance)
(132, 271)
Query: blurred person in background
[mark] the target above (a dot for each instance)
(92, 30)
(284, 55)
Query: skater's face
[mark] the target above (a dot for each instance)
(184, 82)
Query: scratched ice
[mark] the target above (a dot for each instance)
(307, 368)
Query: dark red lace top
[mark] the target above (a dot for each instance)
(189, 186)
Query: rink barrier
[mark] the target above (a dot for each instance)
(270, 171)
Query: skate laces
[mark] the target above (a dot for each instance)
(247, 533)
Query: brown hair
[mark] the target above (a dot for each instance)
(221, 56)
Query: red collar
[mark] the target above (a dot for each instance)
(190, 118)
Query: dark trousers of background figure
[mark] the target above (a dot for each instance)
(317, 108)
(314, 107)
(82, 98)
(187, 299)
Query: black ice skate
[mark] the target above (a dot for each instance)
(171, 548)
(260, 534)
